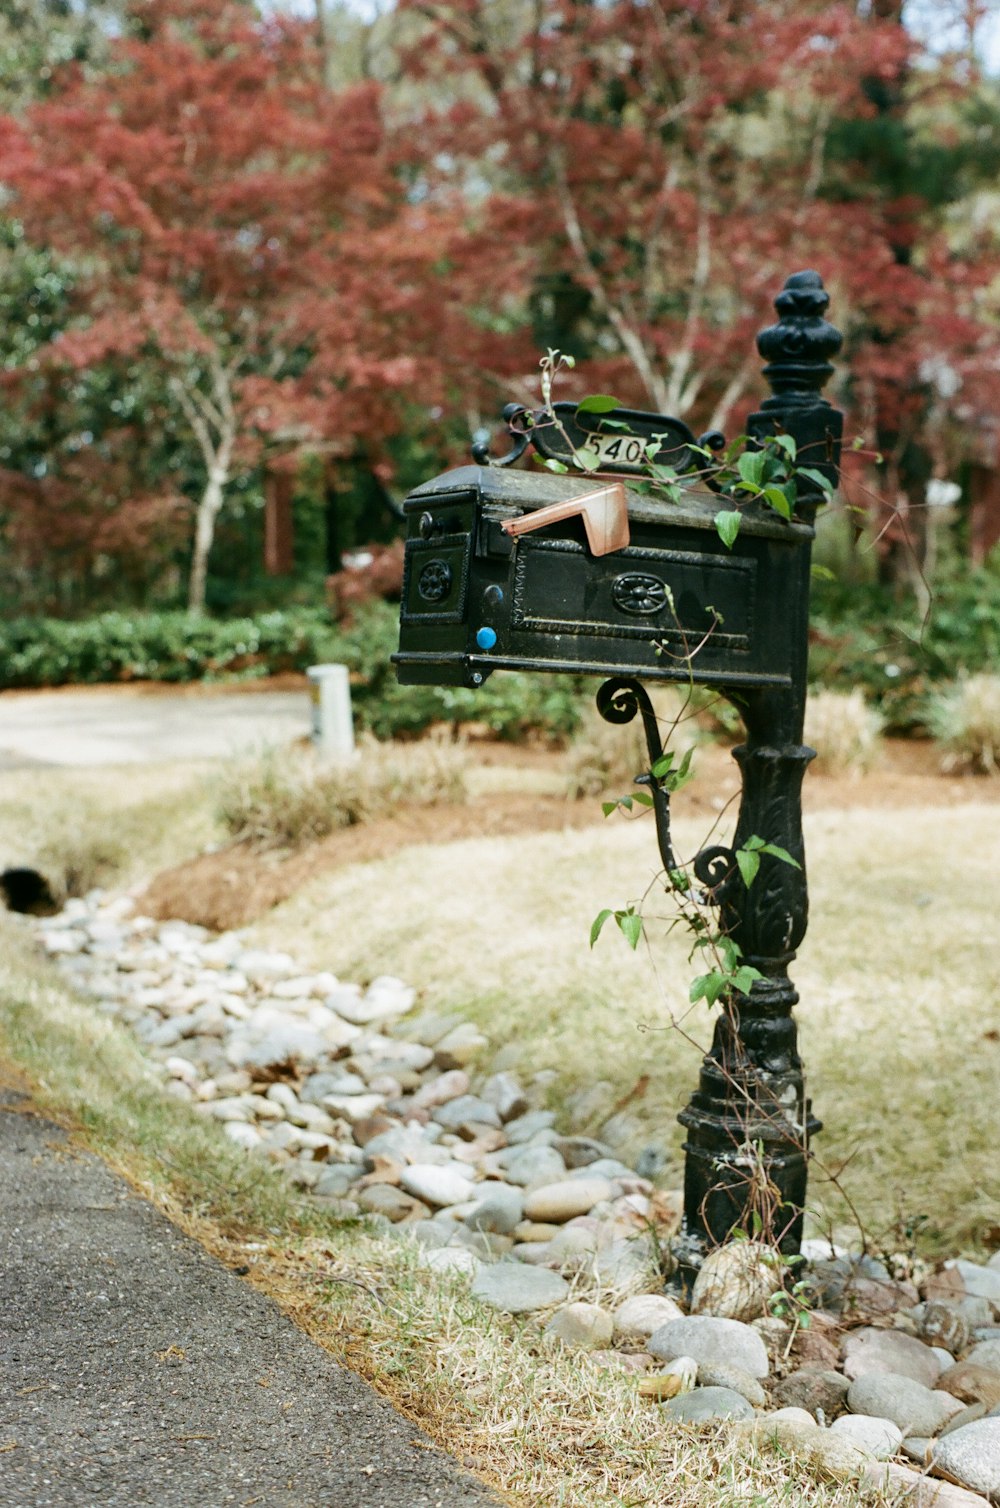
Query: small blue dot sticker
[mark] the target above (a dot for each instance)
(486, 638)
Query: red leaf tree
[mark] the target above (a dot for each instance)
(250, 237)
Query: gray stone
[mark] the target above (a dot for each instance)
(650, 1160)
(986, 1354)
(436, 1184)
(705, 1404)
(524, 1127)
(556, 1202)
(533, 1166)
(972, 1456)
(501, 1210)
(580, 1151)
(517, 1289)
(604, 1167)
(919, 1491)
(404, 1144)
(720, 1375)
(581, 1326)
(442, 1088)
(627, 1261)
(913, 1408)
(820, 1449)
(336, 1179)
(504, 1093)
(452, 1259)
(866, 1351)
(877, 1437)
(464, 1109)
(710, 1340)
(981, 1282)
(638, 1317)
(943, 1324)
(317, 1085)
(384, 1199)
(459, 1047)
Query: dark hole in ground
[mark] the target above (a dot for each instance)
(27, 891)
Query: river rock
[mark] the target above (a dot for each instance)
(516, 1289)
(979, 1281)
(866, 1351)
(581, 1326)
(918, 1491)
(912, 1408)
(533, 1167)
(822, 1450)
(638, 1317)
(972, 1456)
(439, 1090)
(815, 1389)
(704, 1404)
(459, 1047)
(384, 1199)
(708, 1339)
(500, 1211)
(972, 1383)
(504, 1093)
(437, 1185)
(720, 1375)
(736, 1281)
(877, 1437)
(336, 1179)
(986, 1354)
(524, 1127)
(557, 1202)
(465, 1109)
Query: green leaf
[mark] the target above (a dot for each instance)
(707, 987)
(616, 424)
(744, 977)
(679, 880)
(631, 927)
(553, 465)
(754, 844)
(678, 779)
(643, 798)
(752, 467)
(780, 853)
(597, 403)
(597, 925)
(822, 573)
(662, 473)
(730, 950)
(587, 457)
(663, 765)
(749, 863)
(727, 526)
(775, 496)
(734, 448)
(817, 477)
(607, 807)
(786, 443)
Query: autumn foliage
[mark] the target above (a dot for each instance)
(280, 268)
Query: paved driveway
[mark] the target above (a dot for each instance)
(131, 726)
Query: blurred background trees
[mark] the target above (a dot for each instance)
(260, 270)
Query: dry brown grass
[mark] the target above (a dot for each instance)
(543, 1426)
(285, 798)
(898, 977)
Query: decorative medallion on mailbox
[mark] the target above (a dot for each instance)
(639, 594)
(434, 581)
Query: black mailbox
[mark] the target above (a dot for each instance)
(589, 573)
(476, 600)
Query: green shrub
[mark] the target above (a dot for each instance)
(965, 719)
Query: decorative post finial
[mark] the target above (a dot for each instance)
(797, 350)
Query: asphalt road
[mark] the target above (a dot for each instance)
(137, 1370)
(126, 726)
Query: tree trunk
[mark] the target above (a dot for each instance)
(204, 533)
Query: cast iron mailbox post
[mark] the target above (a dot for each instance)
(492, 582)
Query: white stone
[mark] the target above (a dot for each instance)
(709, 1339)
(353, 1107)
(554, 1203)
(437, 1185)
(736, 1281)
(639, 1316)
(243, 1135)
(581, 1326)
(451, 1259)
(880, 1438)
